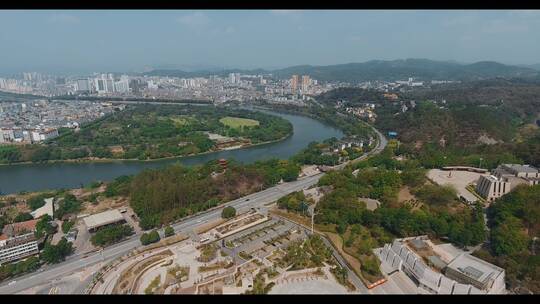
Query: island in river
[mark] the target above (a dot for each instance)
(150, 132)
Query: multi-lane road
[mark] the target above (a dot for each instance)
(78, 262)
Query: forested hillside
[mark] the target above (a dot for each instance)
(514, 220)
(161, 196)
(379, 70)
(496, 120)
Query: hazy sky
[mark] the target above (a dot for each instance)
(134, 39)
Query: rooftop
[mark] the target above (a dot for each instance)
(522, 168)
(103, 218)
(21, 227)
(475, 268)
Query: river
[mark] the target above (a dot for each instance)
(35, 177)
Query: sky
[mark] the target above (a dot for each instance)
(134, 40)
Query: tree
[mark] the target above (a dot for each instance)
(53, 254)
(169, 231)
(36, 202)
(508, 238)
(66, 226)
(70, 204)
(44, 226)
(149, 238)
(110, 235)
(22, 217)
(228, 212)
(370, 265)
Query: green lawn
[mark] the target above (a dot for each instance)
(237, 122)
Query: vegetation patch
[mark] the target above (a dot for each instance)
(208, 253)
(238, 123)
(153, 285)
(152, 132)
(111, 235)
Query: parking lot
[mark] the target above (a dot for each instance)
(261, 240)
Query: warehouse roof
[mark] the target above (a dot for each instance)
(103, 218)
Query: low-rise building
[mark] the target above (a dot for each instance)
(438, 271)
(18, 247)
(19, 228)
(505, 178)
(468, 269)
(96, 221)
(18, 241)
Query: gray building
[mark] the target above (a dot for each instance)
(505, 178)
(96, 221)
(440, 272)
(18, 247)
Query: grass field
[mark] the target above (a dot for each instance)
(236, 122)
(181, 120)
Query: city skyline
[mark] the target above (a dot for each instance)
(85, 41)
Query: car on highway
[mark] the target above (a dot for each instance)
(11, 283)
(247, 199)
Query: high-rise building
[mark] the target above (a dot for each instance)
(234, 78)
(109, 85)
(306, 83)
(83, 85)
(104, 83)
(100, 85)
(135, 86)
(122, 86)
(294, 84)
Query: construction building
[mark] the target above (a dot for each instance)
(294, 84)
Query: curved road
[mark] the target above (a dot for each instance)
(78, 262)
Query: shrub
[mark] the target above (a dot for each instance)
(169, 231)
(149, 238)
(228, 212)
(111, 235)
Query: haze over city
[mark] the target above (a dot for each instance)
(123, 41)
(269, 152)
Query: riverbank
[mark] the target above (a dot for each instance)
(113, 160)
(66, 175)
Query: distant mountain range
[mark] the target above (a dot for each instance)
(531, 66)
(380, 70)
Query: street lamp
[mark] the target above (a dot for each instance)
(312, 210)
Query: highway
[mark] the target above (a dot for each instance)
(78, 262)
(74, 263)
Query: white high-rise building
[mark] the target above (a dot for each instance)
(122, 86)
(104, 84)
(83, 85)
(234, 78)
